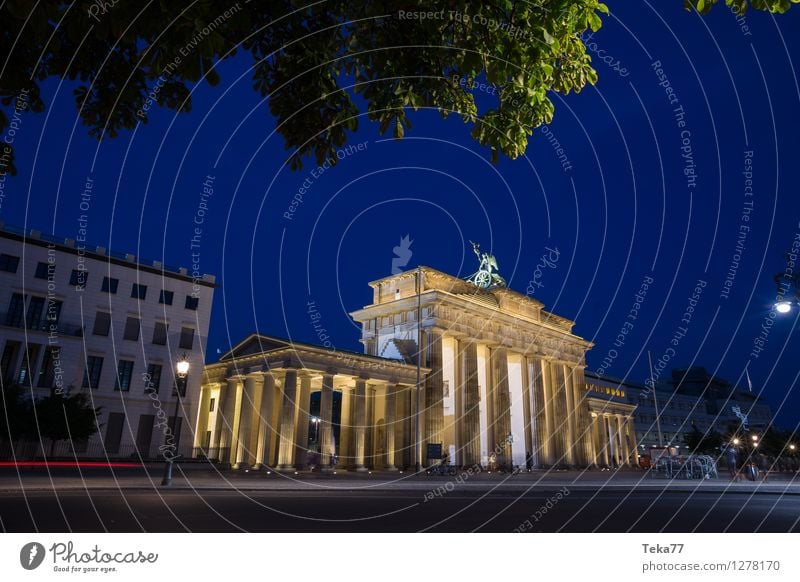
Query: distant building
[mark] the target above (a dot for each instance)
(693, 398)
(75, 318)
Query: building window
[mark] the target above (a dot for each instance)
(165, 297)
(131, 329)
(139, 291)
(160, 334)
(192, 302)
(16, 309)
(109, 285)
(102, 323)
(54, 312)
(8, 360)
(114, 426)
(47, 371)
(9, 263)
(187, 338)
(91, 375)
(29, 358)
(78, 278)
(153, 378)
(36, 316)
(211, 404)
(41, 271)
(124, 375)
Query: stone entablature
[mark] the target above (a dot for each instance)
(456, 307)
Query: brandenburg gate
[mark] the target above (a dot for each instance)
(501, 384)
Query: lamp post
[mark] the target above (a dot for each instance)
(182, 372)
(316, 421)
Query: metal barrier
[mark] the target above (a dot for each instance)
(685, 467)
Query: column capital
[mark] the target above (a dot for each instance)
(435, 329)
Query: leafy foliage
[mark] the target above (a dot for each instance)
(56, 417)
(703, 442)
(741, 6)
(317, 65)
(61, 417)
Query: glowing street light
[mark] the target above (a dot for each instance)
(783, 307)
(736, 441)
(182, 372)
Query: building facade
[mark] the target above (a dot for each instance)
(86, 319)
(692, 399)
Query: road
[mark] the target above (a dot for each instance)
(95, 506)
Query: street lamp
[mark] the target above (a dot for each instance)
(182, 372)
(755, 438)
(736, 442)
(792, 447)
(783, 306)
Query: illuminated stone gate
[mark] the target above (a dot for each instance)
(507, 378)
(501, 384)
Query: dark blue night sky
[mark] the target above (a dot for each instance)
(649, 189)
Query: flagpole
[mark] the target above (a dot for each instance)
(655, 401)
(418, 444)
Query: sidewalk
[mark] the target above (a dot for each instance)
(203, 478)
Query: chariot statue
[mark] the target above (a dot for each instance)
(487, 275)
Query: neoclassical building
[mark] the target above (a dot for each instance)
(501, 382)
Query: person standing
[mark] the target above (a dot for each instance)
(731, 456)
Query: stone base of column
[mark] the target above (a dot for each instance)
(359, 468)
(285, 468)
(391, 468)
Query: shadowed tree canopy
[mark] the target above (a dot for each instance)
(318, 64)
